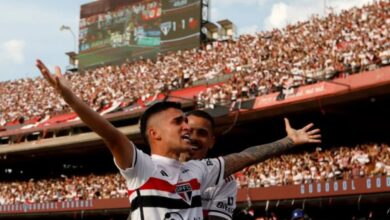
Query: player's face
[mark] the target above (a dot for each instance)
(175, 131)
(201, 136)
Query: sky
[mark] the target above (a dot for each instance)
(31, 29)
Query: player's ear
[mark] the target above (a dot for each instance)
(154, 134)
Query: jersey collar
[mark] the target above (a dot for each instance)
(166, 160)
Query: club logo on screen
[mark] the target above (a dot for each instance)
(166, 27)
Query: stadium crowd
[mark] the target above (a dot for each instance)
(63, 189)
(321, 165)
(352, 41)
(364, 160)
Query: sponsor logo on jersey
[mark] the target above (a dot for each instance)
(163, 173)
(224, 206)
(184, 170)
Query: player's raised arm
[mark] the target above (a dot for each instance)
(116, 141)
(237, 161)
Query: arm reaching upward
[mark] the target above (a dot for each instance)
(120, 146)
(237, 161)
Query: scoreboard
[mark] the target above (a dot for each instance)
(180, 24)
(112, 31)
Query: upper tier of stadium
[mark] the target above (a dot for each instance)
(318, 49)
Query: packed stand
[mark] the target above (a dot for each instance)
(63, 189)
(365, 160)
(321, 165)
(355, 40)
(319, 49)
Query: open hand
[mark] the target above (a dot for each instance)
(56, 81)
(303, 135)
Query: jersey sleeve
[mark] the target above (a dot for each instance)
(209, 171)
(223, 200)
(140, 171)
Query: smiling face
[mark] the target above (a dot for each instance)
(202, 136)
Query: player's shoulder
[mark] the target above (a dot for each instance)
(230, 180)
(203, 162)
(228, 186)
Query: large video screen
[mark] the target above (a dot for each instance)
(112, 31)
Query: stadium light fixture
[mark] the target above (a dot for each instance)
(67, 28)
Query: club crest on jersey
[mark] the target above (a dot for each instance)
(185, 192)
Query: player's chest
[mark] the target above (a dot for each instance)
(179, 180)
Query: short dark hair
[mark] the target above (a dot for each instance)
(152, 110)
(203, 114)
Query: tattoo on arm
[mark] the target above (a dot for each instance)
(237, 161)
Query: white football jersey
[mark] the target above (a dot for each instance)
(220, 200)
(164, 188)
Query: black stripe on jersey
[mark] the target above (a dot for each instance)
(163, 202)
(220, 169)
(141, 208)
(229, 178)
(224, 213)
(135, 157)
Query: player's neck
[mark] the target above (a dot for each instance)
(184, 157)
(168, 154)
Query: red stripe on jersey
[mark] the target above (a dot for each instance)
(162, 185)
(205, 213)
